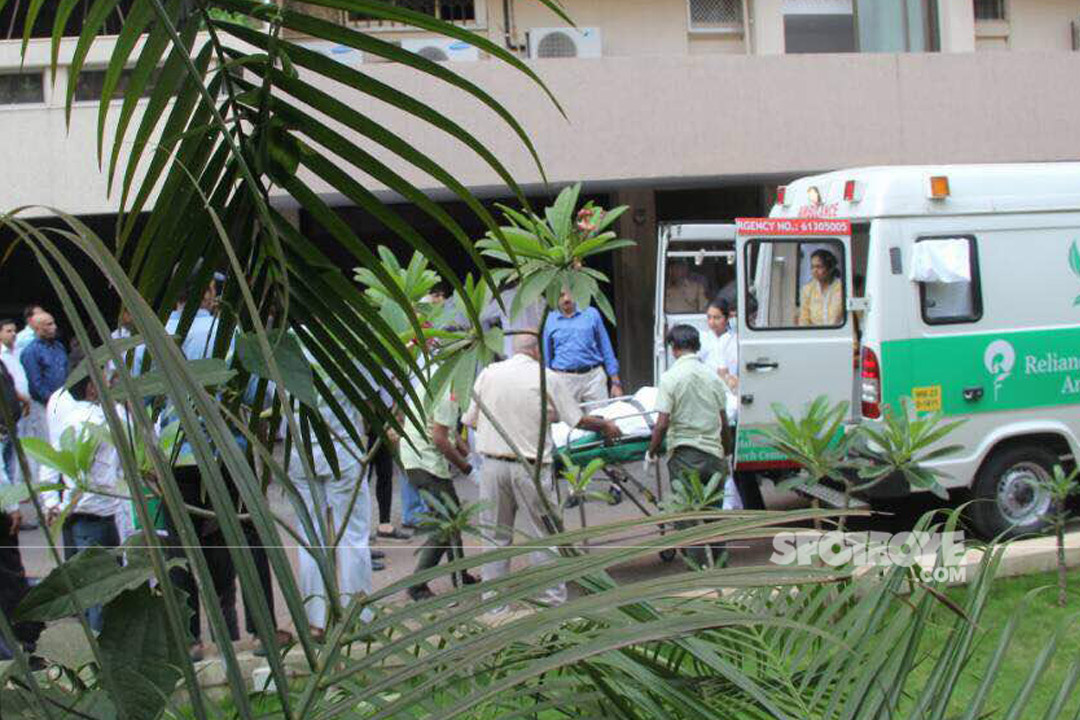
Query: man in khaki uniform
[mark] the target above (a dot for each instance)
(510, 391)
(426, 454)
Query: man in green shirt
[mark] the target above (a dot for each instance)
(426, 454)
(690, 404)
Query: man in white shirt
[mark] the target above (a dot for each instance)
(334, 492)
(91, 516)
(10, 357)
(29, 332)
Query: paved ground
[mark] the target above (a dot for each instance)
(64, 641)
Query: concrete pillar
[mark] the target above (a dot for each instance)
(634, 281)
(767, 30)
(956, 23)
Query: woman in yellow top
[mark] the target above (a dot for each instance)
(821, 299)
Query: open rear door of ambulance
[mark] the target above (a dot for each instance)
(795, 333)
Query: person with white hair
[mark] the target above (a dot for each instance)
(510, 392)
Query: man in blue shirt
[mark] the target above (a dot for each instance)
(45, 360)
(577, 348)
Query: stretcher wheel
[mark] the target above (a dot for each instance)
(667, 555)
(614, 495)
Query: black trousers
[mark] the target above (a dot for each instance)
(383, 464)
(437, 544)
(219, 561)
(685, 460)
(749, 487)
(13, 585)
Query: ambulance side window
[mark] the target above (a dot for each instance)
(947, 271)
(795, 284)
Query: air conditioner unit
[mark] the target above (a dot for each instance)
(442, 49)
(564, 42)
(341, 53)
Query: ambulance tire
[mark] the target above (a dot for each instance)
(1007, 501)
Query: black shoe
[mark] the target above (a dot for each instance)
(378, 565)
(378, 554)
(36, 663)
(469, 579)
(284, 638)
(420, 593)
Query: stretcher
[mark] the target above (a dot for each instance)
(635, 415)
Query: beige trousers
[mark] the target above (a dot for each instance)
(505, 487)
(587, 387)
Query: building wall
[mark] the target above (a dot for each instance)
(667, 106)
(1042, 25)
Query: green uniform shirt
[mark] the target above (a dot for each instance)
(693, 396)
(422, 453)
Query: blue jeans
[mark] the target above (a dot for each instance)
(412, 505)
(82, 531)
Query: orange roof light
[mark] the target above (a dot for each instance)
(939, 187)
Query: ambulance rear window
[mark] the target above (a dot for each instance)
(949, 296)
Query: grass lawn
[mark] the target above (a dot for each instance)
(1041, 620)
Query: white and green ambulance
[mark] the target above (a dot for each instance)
(957, 286)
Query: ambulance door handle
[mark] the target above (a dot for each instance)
(973, 394)
(762, 365)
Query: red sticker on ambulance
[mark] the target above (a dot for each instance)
(792, 226)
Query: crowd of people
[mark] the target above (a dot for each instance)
(495, 441)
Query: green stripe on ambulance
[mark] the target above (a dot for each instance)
(999, 371)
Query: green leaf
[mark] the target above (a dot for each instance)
(13, 494)
(63, 462)
(141, 658)
(285, 151)
(134, 26)
(288, 354)
(560, 216)
(96, 576)
(1074, 258)
(209, 372)
(605, 306)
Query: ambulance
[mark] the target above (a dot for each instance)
(957, 286)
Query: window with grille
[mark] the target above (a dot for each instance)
(22, 88)
(91, 82)
(13, 17)
(990, 9)
(455, 11)
(715, 14)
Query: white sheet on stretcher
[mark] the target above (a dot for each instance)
(625, 414)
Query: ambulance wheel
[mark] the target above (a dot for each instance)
(1009, 501)
(667, 555)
